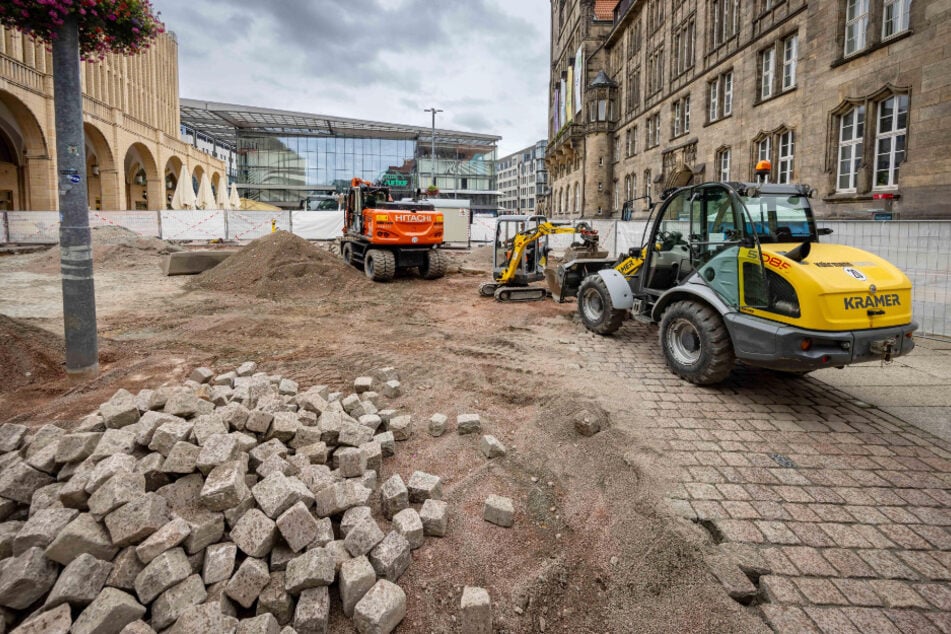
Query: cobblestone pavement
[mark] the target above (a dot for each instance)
(848, 505)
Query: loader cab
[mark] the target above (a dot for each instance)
(704, 234)
(531, 268)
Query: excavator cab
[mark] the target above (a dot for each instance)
(531, 266)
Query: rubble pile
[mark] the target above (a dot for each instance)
(233, 503)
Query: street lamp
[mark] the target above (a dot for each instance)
(433, 143)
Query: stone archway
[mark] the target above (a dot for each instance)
(102, 178)
(173, 169)
(26, 169)
(143, 186)
(680, 177)
(218, 180)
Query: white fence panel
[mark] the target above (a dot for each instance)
(483, 228)
(144, 223)
(206, 224)
(33, 227)
(248, 225)
(316, 225)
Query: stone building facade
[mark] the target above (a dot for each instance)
(134, 154)
(523, 180)
(849, 96)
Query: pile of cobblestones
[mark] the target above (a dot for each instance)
(233, 503)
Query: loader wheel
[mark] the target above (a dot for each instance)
(595, 307)
(379, 265)
(435, 266)
(696, 343)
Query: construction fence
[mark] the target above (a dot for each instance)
(919, 248)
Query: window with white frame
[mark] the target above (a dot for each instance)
(628, 188)
(727, 93)
(633, 140)
(681, 116)
(577, 205)
(647, 182)
(856, 25)
(786, 151)
(682, 49)
(890, 139)
(713, 100)
(851, 134)
(724, 20)
(627, 146)
(723, 164)
(764, 149)
(617, 196)
(633, 191)
(617, 149)
(653, 130)
(895, 17)
(767, 66)
(790, 55)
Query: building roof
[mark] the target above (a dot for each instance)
(223, 120)
(604, 9)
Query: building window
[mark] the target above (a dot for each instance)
(851, 133)
(633, 140)
(653, 130)
(724, 21)
(647, 182)
(767, 68)
(727, 94)
(577, 205)
(713, 100)
(683, 44)
(655, 71)
(681, 116)
(633, 89)
(890, 139)
(895, 17)
(617, 149)
(617, 197)
(790, 54)
(723, 164)
(764, 149)
(786, 150)
(627, 188)
(627, 146)
(856, 25)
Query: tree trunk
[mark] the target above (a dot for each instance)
(79, 299)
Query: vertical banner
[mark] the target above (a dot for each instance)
(570, 114)
(556, 119)
(579, 78)
(562, 107)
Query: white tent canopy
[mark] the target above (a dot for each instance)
(184, 196)
(222, 194)
(206, 197)
(234, 199)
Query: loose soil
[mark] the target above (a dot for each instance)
(592, 549)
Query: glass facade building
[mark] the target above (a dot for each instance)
(292, 159)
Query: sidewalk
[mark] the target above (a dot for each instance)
(915, 388)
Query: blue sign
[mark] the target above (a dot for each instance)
(74, 178)
(883, 215)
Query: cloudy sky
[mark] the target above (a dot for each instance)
(484, 62)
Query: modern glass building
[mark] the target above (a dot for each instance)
(292, 159)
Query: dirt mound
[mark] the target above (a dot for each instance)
(28, 355)
(276, 266)
(112, 247)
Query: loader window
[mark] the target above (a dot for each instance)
(668, 261)
(780, 217)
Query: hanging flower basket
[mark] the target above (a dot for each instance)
(124, 27)
(432, 191)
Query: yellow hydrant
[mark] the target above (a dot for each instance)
(273, 225)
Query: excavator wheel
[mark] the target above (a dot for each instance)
(346, 252)
(595, 307)
(379, 265)
(435, 266)
(487, 289)
(696, 343)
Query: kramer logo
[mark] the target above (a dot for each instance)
(412, 218)
(858, 302)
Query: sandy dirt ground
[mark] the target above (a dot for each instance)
(593, 549)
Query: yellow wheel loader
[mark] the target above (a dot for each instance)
(735, 272)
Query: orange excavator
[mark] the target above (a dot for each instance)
(381, 236)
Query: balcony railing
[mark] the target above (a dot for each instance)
(21, 74)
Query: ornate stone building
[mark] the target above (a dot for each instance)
(849, 96)
(134, 154)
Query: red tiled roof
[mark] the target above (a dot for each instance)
(604, 9)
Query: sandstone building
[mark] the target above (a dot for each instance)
(134, 154)
(852, 97)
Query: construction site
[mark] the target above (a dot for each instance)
(640, 502)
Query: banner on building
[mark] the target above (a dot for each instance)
(563, 106)
(579, 78)
(555, 118)
(570, 83)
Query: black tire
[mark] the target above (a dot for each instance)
(435, 265)
(379, 265)
(595, 307)
(696, 343)
(346, 252)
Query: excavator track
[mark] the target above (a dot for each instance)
(520, 294)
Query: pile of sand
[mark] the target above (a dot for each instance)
(28, 355)
(112, 247)
(276, 266)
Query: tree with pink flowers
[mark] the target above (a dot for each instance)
(75, 30)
